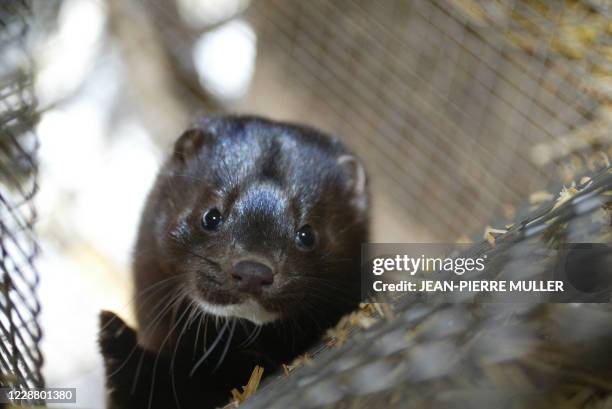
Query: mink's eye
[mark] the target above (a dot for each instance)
(211, 219)
(305, 238)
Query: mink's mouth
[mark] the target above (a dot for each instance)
(214, 297)
(249, 309)
(229, 304)
(218, 293)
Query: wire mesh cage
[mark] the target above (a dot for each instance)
(459, 109)
(20, 357)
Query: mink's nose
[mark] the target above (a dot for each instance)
(252, 276)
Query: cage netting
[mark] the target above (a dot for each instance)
(20, 356)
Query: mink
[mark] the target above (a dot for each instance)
(248, 250)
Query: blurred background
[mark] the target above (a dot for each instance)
(463, 112)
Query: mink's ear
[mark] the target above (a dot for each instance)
(191, 142)
(356, 181)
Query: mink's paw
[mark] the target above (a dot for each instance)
(120, 351)
(116, 339)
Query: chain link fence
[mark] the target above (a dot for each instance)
(20, 357)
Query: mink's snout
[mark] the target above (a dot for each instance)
(252, 276)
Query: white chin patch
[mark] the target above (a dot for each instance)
(249, 309)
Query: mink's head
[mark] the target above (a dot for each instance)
(261, 220)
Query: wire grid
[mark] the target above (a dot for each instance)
(445, 101)
(20, 357)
